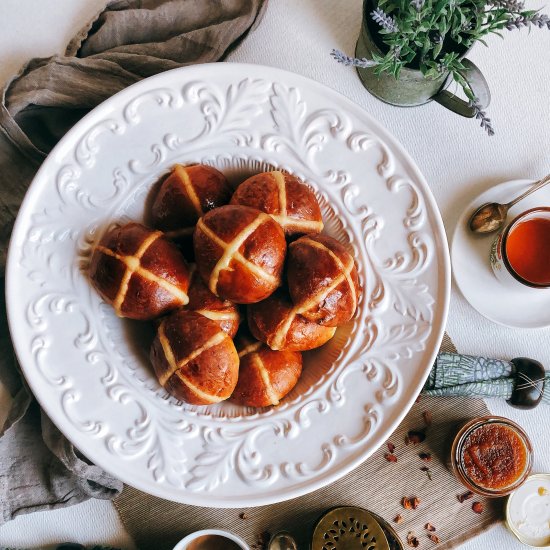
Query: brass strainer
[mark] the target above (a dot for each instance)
(348, 528)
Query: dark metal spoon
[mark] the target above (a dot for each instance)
(282, 541)
(491, 216)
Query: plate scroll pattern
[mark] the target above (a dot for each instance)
(249, 123)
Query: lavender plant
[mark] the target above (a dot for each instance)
(430, 34)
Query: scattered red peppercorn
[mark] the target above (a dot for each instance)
(477, 507)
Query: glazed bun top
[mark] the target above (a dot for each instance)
(265, 376)
(240, 253)
(323, 280)
(186, 194)
(194, 360)
(276, 322)
(139, 272)
(286, 198)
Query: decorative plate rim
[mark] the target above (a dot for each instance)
(434, 337)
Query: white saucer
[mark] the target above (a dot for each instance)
(521, 308)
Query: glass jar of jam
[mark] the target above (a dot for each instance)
(491, 456)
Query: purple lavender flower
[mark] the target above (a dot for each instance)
(510, 5)
(540, 20)
(481, 115)
(363, 63)
(384, 20)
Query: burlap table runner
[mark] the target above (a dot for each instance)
(377, 485)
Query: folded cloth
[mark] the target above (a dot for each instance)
(127, 41)
(70, 546)
(466, 375)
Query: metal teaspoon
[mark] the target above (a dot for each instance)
(282, 541)
(490, 216)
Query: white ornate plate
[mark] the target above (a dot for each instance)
(89, 369)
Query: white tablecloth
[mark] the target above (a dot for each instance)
(457, 158)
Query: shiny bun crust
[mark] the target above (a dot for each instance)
(266, 376)
(276, 323)
(240, 253)
(322, 280)
(286, 198)
(139, 272)
(194, 360)
(202, 301)
(186, 194)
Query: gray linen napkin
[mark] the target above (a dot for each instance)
(470, 376)
(128, 41)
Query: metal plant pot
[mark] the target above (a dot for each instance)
(413, 88)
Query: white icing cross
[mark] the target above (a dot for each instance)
(188, 188)
(175, 366)
(133, 265)
(282, 218)
(231, 252)
(277, 339)
(256, 360)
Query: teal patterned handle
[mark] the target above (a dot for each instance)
(455, 374)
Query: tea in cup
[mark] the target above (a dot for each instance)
(520, 255)
(212, 539)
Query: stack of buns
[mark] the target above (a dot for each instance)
(259, 254)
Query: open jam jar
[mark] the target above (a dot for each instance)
(491, 456)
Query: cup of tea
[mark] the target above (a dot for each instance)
(520, 255)
(211, 539)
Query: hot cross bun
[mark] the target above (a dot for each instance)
(290, 201)
(240, 253)
(185, 195)
(194, 360)
(139, 272)
(277, 323)
(322, 280)
(265, 376)
(202, 301)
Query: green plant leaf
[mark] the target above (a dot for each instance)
(459, 22)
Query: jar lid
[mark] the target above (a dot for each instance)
(394, 541)
(528, 511)
(349, 527)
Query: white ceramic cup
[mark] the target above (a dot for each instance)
(184, 543)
